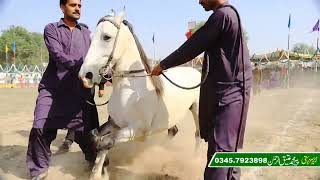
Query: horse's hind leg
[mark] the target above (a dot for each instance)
(195, 113)
(173, 131)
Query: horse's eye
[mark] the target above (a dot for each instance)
(106, 37)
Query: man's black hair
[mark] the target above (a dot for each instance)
(63, 2)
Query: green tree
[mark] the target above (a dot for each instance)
(201, 23)
(303, 48)
(198, 26)
(30, 47)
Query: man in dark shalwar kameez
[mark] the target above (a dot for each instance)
(221, 95)
(61, 100)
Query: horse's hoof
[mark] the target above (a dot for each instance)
(173, 131)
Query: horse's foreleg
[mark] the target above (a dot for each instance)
(103, 140)
(104, 137)
(97, 169)
(107, 127)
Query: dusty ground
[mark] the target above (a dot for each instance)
(279, 120)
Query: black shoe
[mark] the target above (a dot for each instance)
(65, 147)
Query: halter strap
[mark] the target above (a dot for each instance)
(107, 18)
(102, 71)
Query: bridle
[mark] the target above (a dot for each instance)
(103, 72)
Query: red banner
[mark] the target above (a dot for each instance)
(189, 34)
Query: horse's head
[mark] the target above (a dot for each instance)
(107, 46)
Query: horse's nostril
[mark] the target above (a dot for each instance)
(89, 75)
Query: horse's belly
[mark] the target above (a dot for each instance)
(178, 101)
(174, 109)
(143, 109)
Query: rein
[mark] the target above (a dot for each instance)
(94, 104)
(203, 80)
(125, 74)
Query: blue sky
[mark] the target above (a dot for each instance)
(265, 21)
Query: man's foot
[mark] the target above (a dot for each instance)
(65, 147)
(41, 176)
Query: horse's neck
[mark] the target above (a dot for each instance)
(129, 63)
(130, 60)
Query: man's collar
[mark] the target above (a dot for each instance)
(222, 5)
(62, 23)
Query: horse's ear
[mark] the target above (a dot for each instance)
(120, 17)
(113, 13)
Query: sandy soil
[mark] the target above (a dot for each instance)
(279, 120)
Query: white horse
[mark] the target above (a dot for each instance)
(140, 105)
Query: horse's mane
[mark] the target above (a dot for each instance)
(156, 81)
